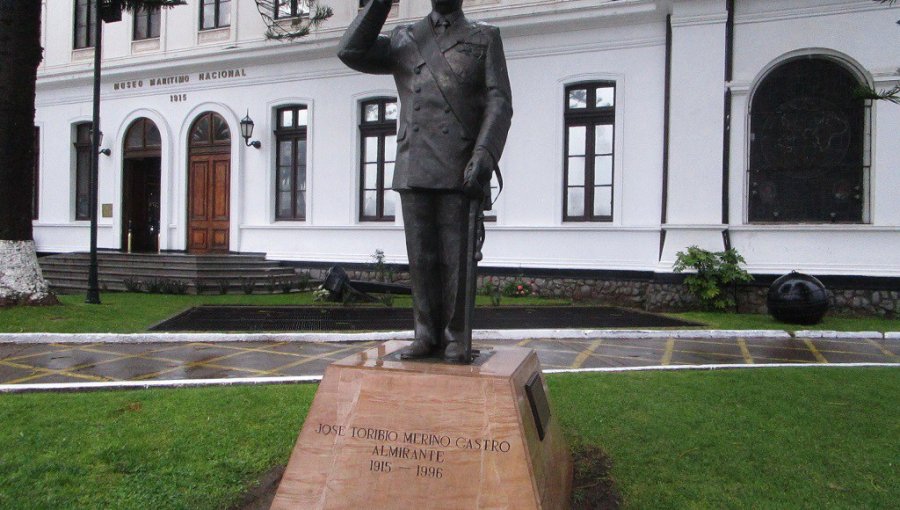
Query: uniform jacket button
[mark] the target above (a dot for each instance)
(418, 70)
(416, 129)
(418, 89)
(447, 109)
(445, 130)
(417, 107)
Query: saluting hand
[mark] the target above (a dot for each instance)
(478, 172)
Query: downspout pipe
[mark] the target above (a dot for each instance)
(726, 121)
(663, 218)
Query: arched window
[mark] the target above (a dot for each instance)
(210, 133)
(808, 146)
(142, 139)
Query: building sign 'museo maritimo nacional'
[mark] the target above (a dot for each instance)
(179, 79)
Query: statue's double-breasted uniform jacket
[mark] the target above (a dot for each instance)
(434, 140)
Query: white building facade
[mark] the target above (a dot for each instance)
(641, 127)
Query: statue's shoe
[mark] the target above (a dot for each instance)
(455, 352)
(417, 350)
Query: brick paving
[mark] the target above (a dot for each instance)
(105, 362)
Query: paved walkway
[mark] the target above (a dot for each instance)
(41, 363)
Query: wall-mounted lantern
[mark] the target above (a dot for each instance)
(105, 152)
(247, 132)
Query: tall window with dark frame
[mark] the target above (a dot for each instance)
(215, 14)
(146, 23)
(290, 8)
(82, 170)
(84, 29)
(590, 115)
(378, 138)
(809, 146)
(290, 162)
(35, 190)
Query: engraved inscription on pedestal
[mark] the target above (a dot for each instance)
(414, 454)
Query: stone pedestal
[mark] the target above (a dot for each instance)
(386, 433)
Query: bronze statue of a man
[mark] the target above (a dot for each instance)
(456, 108)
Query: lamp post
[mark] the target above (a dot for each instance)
(93, 292)
(104, 11)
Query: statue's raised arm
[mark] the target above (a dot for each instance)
(362, 48)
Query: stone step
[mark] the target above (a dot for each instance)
(203, 273)
(160, 262)
(161, 256)
(75, 285)
(174, 272)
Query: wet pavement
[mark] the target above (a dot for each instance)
(104, 362)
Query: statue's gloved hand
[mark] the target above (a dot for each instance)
(478, 172)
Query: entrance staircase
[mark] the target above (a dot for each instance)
(198, 274)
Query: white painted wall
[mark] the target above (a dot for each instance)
(549, 43)
(695, 140)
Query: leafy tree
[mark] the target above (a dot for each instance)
(21, 281)
(309, 14)
(20, 54)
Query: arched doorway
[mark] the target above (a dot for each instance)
(808, 145)
(140, 187)
(209, 183)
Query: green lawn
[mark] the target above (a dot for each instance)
(124, 312)
(150, 449)
(762, 438)
(718, 320)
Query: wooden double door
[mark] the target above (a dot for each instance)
(209, 208)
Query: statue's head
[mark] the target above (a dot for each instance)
(446, 6)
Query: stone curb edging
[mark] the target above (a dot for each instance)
(481, 334)
(715, 366)
(190, 383)
(144, 385)
(839, 334)
(137, 338)
(637, 334)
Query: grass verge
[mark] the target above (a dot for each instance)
(785, 438)
(719, 320)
